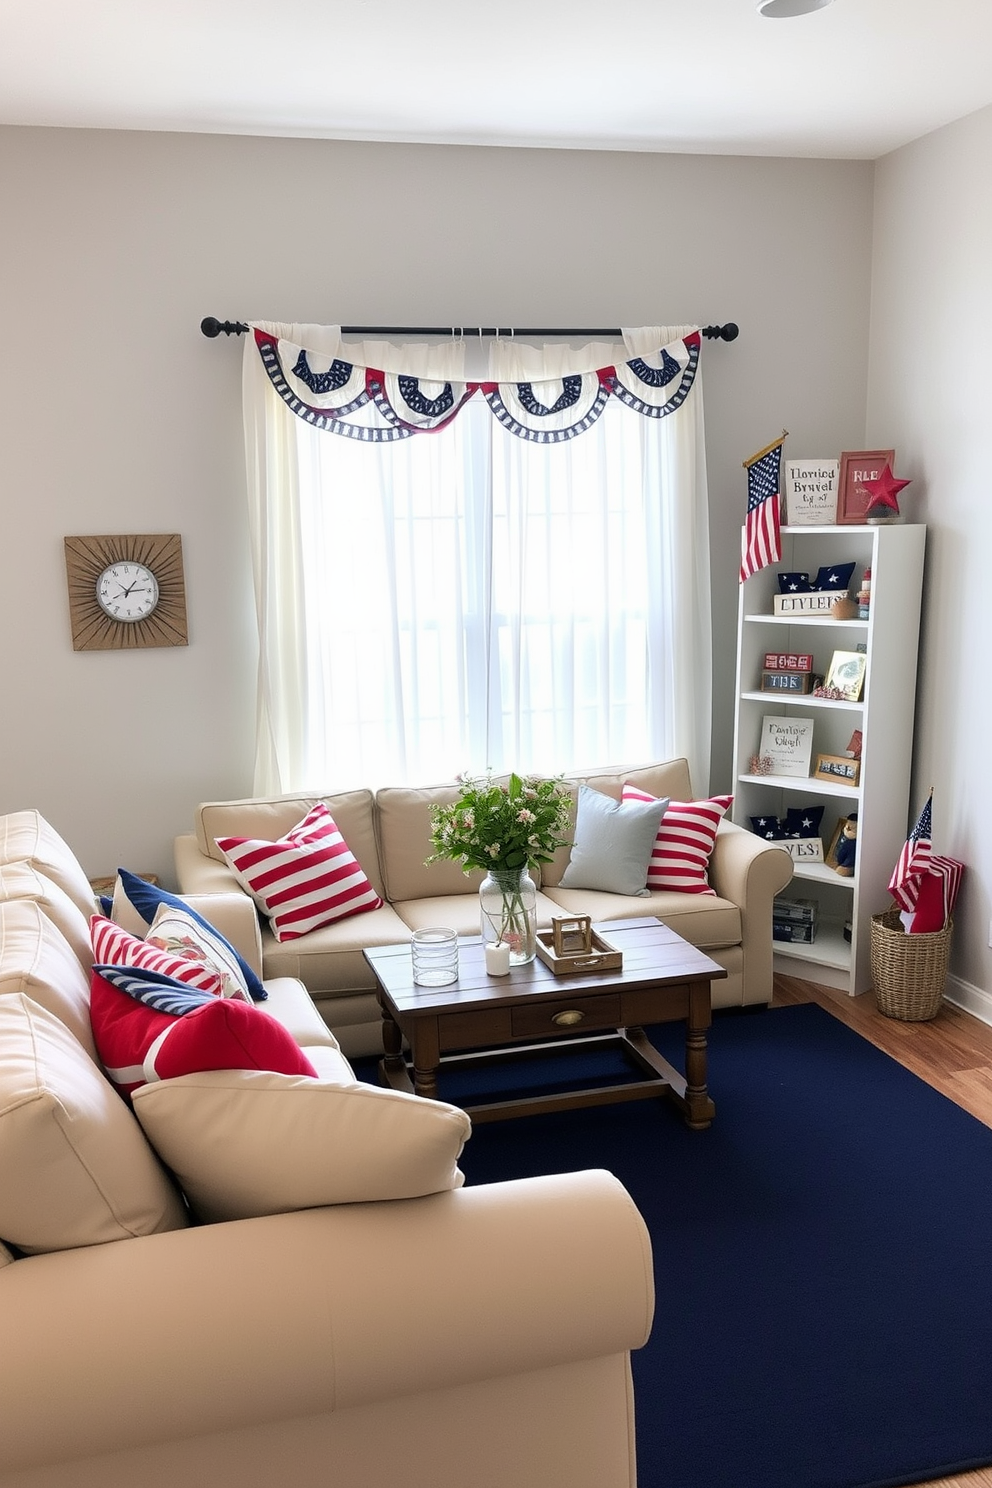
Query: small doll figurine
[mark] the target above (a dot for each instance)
(847, 847)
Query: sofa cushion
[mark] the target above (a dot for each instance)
(307, 878)
(159, 1028)
(332, 956)
(403, 815)
(705, 920)
(36, 959)
(22, 880)
(684, 843)
(270, 817)
(26, 836)
(75, 1168)
(290, 1004)
(244, 1143)
(116, 947)
(613, 843)
(136, 903)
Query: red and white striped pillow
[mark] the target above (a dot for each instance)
(309, 877)
(681, 853)
(113, 946)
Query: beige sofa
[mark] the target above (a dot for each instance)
(389, 833)
(469, 1335)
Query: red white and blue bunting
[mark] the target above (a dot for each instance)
(329, 392)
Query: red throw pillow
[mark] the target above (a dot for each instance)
(682, 849)
(138, 1044)
(309, 877)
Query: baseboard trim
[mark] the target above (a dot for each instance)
(971, 999)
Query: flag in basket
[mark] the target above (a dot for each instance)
(761, 540)
(914, 860)
(935, 901)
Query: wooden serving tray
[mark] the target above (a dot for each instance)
(602, 957)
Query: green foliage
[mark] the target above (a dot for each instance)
(497, 826)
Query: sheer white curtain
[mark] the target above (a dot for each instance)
(466, 599)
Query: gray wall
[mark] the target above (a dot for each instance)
(930, 392)
(116, 415)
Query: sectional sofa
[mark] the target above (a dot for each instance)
(257, 1279)
(388, 831)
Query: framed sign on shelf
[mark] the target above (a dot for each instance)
(857, 466)
(788, 744)
(846, 674)
(838, 767)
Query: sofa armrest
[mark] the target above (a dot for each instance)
(750, 871)
(198, 874)
(230, 1325)
(235, 916)
(747, 869)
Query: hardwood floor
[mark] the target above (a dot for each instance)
(953, 1053)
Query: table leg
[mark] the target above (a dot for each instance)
(425, 1082)
(699, 1109)
(393, 1064)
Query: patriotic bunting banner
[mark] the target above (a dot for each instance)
(377, 407)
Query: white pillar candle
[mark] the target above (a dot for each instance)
(498, 959)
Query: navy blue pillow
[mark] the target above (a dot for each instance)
(768, 826)
(793, 583)
(834, 576)
(803, 821)
(145, 898)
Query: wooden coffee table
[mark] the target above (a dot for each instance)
(481, 1018)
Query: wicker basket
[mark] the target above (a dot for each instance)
(909, 971)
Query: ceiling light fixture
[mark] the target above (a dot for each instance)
(779, 9)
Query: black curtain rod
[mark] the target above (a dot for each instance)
(211, 327)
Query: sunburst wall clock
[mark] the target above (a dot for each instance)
(126, 591)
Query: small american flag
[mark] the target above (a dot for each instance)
(761, 540)
(914, 860)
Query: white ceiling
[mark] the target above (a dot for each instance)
(854, 80)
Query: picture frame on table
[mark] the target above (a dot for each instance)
(839, 768)
(857, 466)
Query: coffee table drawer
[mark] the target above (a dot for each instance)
(575, 1015)
(474, 1030)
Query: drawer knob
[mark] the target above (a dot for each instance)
(568, 1018)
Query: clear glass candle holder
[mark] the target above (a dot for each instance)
(435, 956)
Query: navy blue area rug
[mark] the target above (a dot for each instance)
(823, 1258)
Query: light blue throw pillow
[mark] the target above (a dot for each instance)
(613, 843)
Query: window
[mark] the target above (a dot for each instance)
(469, 600)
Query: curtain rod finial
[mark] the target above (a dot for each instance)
(728, 332)
(211, 326)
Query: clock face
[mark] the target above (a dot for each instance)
(127, 591)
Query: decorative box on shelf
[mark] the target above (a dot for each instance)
(815, 602)
(573, 945)
(799, 683)
(804, 849)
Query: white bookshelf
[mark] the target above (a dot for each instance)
(884, 715)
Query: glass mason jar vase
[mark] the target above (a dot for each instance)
(508, 906)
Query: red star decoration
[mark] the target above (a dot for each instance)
(883, 492)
